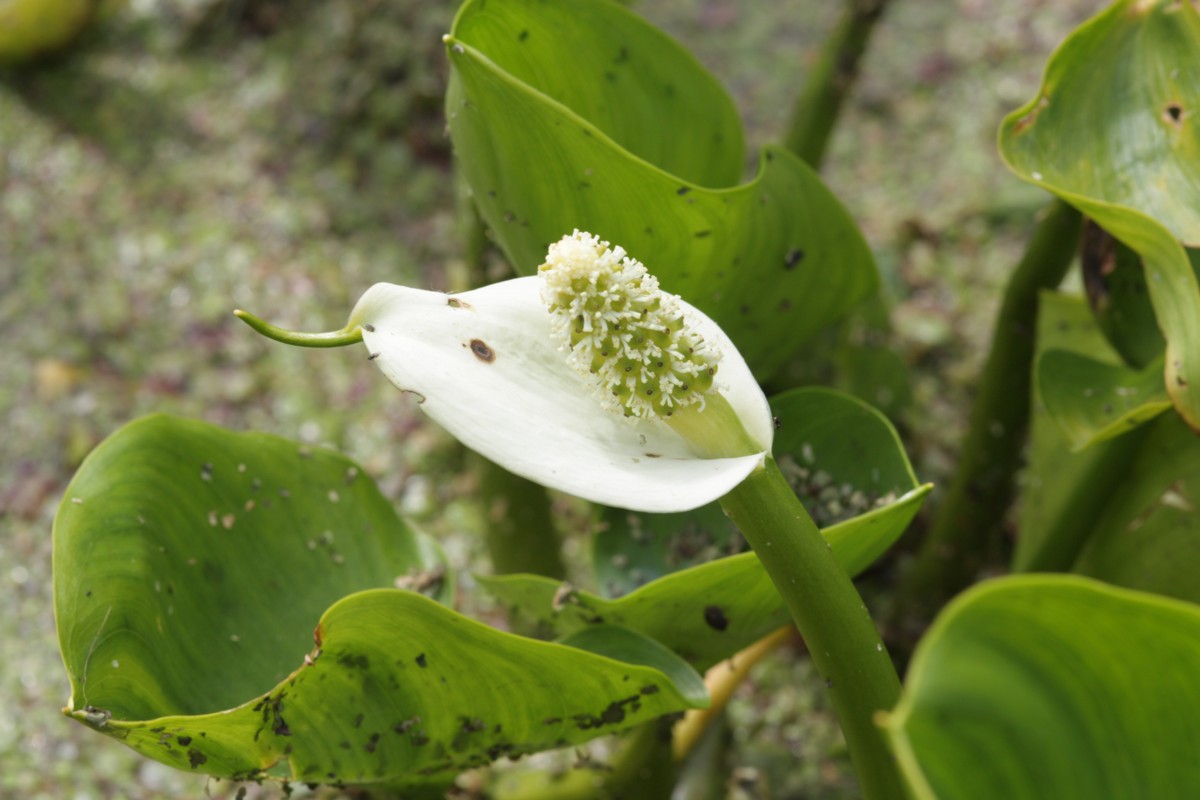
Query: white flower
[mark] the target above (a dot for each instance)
(489, 367)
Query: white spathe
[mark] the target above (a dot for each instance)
(485, 366)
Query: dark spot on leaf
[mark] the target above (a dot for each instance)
(482, 351)
(702, 234)
(421, 662)
(715, 617)
(184, 740)
(650, 689)
(358, 720)
(369, 328)
(196, 758)
(522, 36)
(682, 190)
(1174, 113)
(372, 743)
(353, 660)
(794, 257)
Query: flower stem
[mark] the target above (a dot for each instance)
(830, 80)
(841, 637)
(968, 526)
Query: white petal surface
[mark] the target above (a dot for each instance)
(485, 366)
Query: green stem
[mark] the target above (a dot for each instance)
(841, 637)
(346, 336)
(968, 526)
(817, 108)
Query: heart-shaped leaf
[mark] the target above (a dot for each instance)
(1114, 132)
(636, 143)
(192, 565)
(1053, 687)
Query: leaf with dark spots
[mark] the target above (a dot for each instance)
(273, 706)
(715, 617)
(354, 661)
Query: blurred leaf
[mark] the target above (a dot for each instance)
(30, 29)
(1148, 534)
(1113, 131)
(1053, 687)
(1092, 401)
(1057, 477)
(1116, 290)
(708, 612)
(635, 142)
(191, 566)
(842, 457)
(630, 549)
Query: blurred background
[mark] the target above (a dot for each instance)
(187, 157)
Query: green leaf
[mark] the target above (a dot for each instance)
(708, 612)
(841, 455)
(636, 143)
(1148, 535)
(1114, 132)
(192, 566)
(1092, 401)
(846, 463)
(1122, 510)
(1063, 489)
(1053, 687)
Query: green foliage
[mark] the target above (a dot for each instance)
(1092, 401)
(192, 567)
(1113, 132)
(646, 155)
(1053, 687)
(30, 29)
(845, 462)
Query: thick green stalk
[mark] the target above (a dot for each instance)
(817, 108)
(968, 525)
(841, 637)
